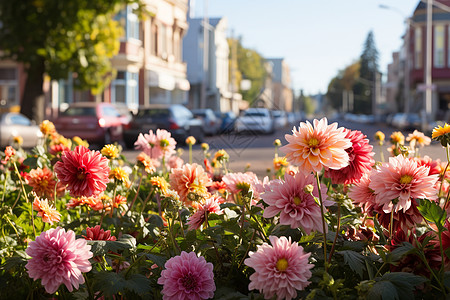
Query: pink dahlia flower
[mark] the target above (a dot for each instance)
(280, 269)
(211, 205)
(362, 195)
(312, 148)
(237, 182)
(297, 208)
(156, 144)
(360, 160)
(84, 172)
(189, 179)
(187, 277)
(58, 258)
(397, 182)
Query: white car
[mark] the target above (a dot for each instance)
(256, 120)
(280, 118)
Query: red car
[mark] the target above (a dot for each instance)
(98, 123)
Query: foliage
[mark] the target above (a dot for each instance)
(358, 77)
(60, 37)
(364, 259)
(250, 65)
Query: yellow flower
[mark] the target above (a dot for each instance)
(78, 141)
(440, 131)
(47, 127)
(379, 136)
(110, 151)
(18, 140)
(60, 140)
(161, 183)
(397, 138)
(119, 174)
(221, 156)
(279, 162)
(277, 143)
(205, 146)
(190, 140)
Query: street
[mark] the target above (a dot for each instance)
(257, 150)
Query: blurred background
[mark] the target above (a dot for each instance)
(370, 62)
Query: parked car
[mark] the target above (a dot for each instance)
(255, 119)
(15, 124)
(228, 118)
(279, 118)
(176, 119)
(98, 123)
(210, 121)
(125, 113)
(406, 121)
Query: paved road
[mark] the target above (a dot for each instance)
(258, 150)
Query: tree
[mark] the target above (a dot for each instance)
(250, 65)
(57, 38)
(364, 88)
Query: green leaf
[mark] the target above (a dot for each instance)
(397, 285)
(138, 283)
(103, 247)
(398, 253)
(384, 290)
(432, 212)
(354, 260)
(109, 282)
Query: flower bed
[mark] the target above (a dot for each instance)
(329, 221)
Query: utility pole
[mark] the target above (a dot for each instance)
(205, 80)
(428, 113)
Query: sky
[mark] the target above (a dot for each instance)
(317, 38)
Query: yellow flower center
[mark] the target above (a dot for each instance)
(297, 200)
(282, 264)
(405, 179)
(313, 142)
(164, 143)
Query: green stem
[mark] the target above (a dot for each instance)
(91, 294)
(337, 232)
(135, 196)
(4, 187)
(323, 223)
(14, 228)
(26, 198)
(190, 153)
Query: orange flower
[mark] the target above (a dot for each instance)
(48, 213)
(279, 162)
(47, 127)
(312, 148)
(397, 138)
(190, 140)
(418, 138)
(119, 200)
(147, 162)
(42, 181)
(161, 183)
(190, 179)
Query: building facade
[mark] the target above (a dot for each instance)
(439, 53)
(207, 54)
(282, 94)
(149, 67)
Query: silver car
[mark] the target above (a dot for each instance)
(15, 124)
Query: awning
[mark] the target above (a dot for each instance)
(183, 84)
(161, 80)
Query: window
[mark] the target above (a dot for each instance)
(8, 87)
(164, 52)
(125, 89)
(129, 22)
(418, 48)
(438, 54)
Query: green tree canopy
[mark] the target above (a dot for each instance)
(250, 65)
(59, 37)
